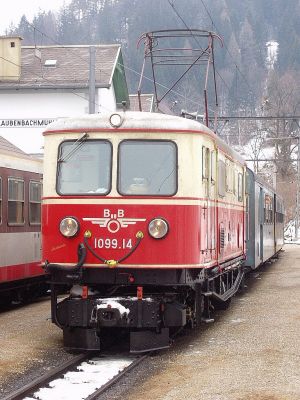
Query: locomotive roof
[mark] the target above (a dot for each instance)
(139, 121)
(255, 177)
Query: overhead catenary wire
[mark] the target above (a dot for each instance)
(226, 48)
(187, 27)
(83, 59)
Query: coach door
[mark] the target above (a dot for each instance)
(208, 213)
(274, 223)
(261, 218)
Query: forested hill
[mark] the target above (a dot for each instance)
(245, 25)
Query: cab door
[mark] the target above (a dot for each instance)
(208, 217)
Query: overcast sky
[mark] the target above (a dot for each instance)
(13, 10)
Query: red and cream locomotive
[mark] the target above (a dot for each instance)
(143, 216)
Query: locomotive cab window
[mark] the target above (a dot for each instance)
(16, 201)
(35, 189)
(84, 167)
(147, 167)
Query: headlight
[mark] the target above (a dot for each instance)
(158, 228)
(116, 120)
(69, 227)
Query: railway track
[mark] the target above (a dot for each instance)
(85, 377)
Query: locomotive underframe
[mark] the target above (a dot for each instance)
(147, 303)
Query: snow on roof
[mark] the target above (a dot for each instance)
(139, 121)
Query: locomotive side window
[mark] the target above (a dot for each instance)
(240, 187)
(205, 163)
(147, 167)
(15, 201)
(205, 169)
(221, 178)
(35, 189)
(229, 176)
(213, 167)
(84, 168)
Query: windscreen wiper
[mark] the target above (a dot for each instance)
(76, 145)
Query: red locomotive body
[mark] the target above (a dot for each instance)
(143, 216)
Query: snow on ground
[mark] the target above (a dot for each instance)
(289, 233)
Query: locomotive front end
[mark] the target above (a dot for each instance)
(127, 228)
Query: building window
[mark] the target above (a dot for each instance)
(15, 201)
(35, 193)
(12, 44)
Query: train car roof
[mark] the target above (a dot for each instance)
(13, 157)
(263, 183)
(149, 122)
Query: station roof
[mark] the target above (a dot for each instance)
(66, 67)
(8, 147)
(147, 102)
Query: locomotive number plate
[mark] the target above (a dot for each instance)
(102, 243)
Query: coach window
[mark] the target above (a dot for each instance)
(147, 167)
(268, 209)
(84, 167)
(0, 200)
(15, 201)
(240, 187)
(35, 189)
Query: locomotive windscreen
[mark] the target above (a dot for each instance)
(84, 168)
(147, 167)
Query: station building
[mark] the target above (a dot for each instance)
(41, 83)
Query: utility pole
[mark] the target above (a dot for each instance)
(297, 193)
(92, 81)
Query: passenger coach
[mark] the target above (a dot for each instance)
(143, 216)
(21, 273)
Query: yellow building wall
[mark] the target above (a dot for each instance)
(10, 58)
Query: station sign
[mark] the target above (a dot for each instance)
(25, 123)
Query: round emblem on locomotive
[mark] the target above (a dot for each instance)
(113, 225)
